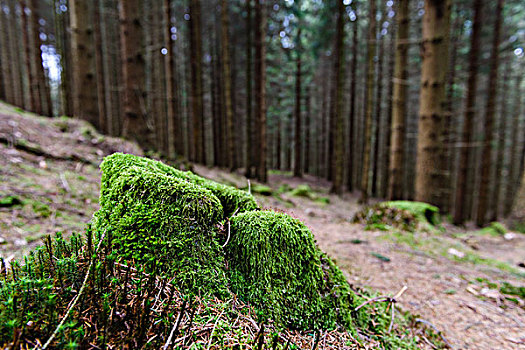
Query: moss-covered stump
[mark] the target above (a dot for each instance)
(422, 211)
(232, 199)
(275, 265)
(162, 221)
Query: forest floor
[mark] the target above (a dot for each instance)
(50, 182)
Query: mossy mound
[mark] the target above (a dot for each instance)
(231, 198)
(276, 266)
(403, 215)
(149, 214)
(495, 229)
(422, 211)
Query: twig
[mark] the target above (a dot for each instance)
(228, 238)
(76, 298)
(425, 322)
(213, 330)
(249, 187)
(65, 184)
(175, 326)
(392, 319)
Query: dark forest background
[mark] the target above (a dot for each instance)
(418, 100)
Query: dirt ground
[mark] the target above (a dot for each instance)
(452, 277)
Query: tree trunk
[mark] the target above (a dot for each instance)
(27, 57)
(308, 132)
(399, 100)
(227, 86)
(338, 166)
(513, 161)
(378, 109)
(250, 140)
(260, 85)
(7, 74)
(99, 57)
(196, 81)
(486, 160)
(16, 68)
(500, 158)
(431, 181)
(353, 116)
(174, 137)
(85, 98)
(135, 124)
(464, 188)
(369, 100)
(298, 167)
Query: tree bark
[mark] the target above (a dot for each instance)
(85, 98)
(298, 167)
(196, 81)
(30, 101)
(174, 137)
(260, 85)
(99, 57)
(338, 166)
(250, 140)
(369, 100)
(431, 181)
(486, 160)
(464, 188)
(227, 86)
(399, 99)
(133, 76)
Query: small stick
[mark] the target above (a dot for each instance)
(420, 320)
(213, 330)
(175, 326)
(65, 184)
(249, 187)
(392, 319)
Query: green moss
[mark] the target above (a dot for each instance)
(10, 201)
(163, 221)
(262, 190)
(510, 289)
(303, 191)
(422, 211)
(494, 229)
(276, 266)
(231, 198)
(41, 209)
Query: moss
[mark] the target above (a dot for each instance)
(303, 191)
(41, 209)
(231, 198)
(276, 266)
(262, 190)
(165, 222)
(422, 211)
(494, 229)
(10, 201)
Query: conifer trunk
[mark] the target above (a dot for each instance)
(85, 98)
(99, 57)
(399, 104)
(464, 188)
(174, 137)
(298, 167)
(486, 160)
(30, 101)
(369, 100)
(196, 81)
(260, 86)
(133, 75)
(227, 86)
(431, 180)
(351, 160)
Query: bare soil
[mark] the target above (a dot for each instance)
(51, 167)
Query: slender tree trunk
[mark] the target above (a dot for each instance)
(16, 68)
(174, 137)
(250, 140)
(227, 87)
(7, 54)
(298, 167)
(464, 188)
(27, 57)
(338, 166)
(378, 109)
(260, 85)
(307, 134)
(85, 98)
(513, 161)
(99, 59)
(431, 181)
(135, 123)
(196, 81)
(486, 161)
(369, 100)
(353, 116)
(500, 158)
(399, 110)
(388, 122)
